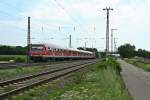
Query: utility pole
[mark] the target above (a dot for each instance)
(115, 44)
(69, 41)
(107, 29)
(112, 39)
(85, 46)
(28, 41)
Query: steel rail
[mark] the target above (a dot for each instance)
(21, 89)
(7, 82)
(16, 65)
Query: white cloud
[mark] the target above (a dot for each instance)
(131, 18)
(46, 11)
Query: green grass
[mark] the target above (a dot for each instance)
(140, 64)
(12, 57)
(99, 82)
(20, 71)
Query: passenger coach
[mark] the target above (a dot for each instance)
(51, 52)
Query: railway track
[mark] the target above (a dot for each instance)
(15, 86)
(16, 65)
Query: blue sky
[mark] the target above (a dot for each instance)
(130, 17)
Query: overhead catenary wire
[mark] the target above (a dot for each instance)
(76, 21)
(72, 18)
(46, 26)
(60, 5)
(10, 5)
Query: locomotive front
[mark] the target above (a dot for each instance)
(37, 51)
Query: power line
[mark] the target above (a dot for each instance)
(10, 5)
(19, 10)
(17, 27)
(10, 15)
(46, 26)
(60, 5)
(64, 9)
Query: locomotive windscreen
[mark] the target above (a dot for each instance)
(37, 48)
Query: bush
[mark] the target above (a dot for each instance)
(19, 59)
(6, 58)
(110, 62)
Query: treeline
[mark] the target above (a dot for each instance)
(129, 51)
(142, 53)
(13, 50)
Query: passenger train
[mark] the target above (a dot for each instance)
(46, 52)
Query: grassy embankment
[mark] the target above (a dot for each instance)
(16, 58)
(101, 81)
(21, 71)
(140, 64)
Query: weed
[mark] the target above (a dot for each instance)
(100, 82)
(140, 64)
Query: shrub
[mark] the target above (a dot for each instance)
(6, 58)
(110, 62)
(19, 59)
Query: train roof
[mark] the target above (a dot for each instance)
(64, 48)
(80, 50)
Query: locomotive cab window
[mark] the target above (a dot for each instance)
(37, 47)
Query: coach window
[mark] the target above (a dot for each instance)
(49, 48)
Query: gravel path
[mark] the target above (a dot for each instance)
(136, 80)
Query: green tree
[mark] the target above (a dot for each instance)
(127, 50)
(143, 53)
(12, 50)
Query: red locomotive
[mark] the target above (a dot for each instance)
(51, 52)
